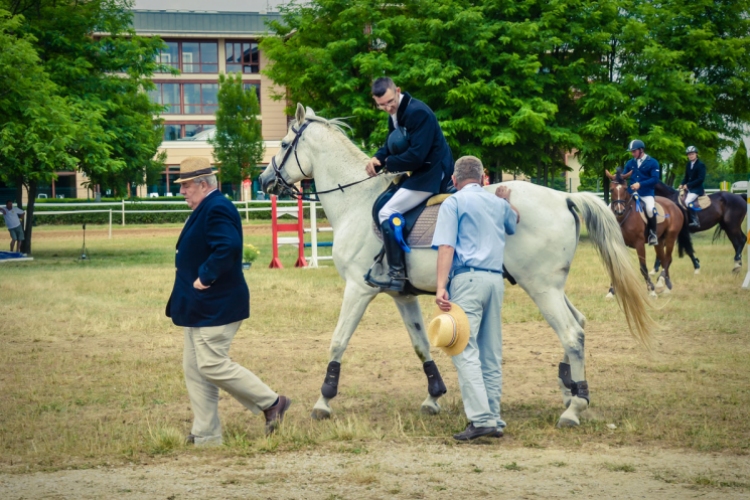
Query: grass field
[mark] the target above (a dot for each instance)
(91, 367)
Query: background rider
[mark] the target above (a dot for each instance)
(695, 174)
(645, 175)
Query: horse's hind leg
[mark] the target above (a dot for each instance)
(411, 313)
(581, 320)
(357, 296)
(572, 373)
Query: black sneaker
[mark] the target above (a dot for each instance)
(472, 432)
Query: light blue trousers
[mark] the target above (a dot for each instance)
(479, 366)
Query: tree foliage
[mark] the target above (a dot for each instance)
(739, 162)
(238, 144)
(73, 99)
(520, 83)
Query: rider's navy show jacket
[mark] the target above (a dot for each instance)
(428, 158)
(647, 175)
(694, 177)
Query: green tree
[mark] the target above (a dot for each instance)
(740, 163)
(36, 123)
(97, 89)
(476, 64)
(238, 144)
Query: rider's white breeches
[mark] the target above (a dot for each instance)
(650, 205)
(691, 197)
(401, 202)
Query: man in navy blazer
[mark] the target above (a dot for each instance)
(210, 299)
(645, 175)
(415, 144)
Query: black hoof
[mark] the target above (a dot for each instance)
(331, 383)
(435, 385)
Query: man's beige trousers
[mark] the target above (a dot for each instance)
(207, 369)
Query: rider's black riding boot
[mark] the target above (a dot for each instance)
(693, 215)
(652, 240)
(396, 278)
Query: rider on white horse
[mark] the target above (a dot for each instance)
(695, 174)
(645, 176)
(415, 144)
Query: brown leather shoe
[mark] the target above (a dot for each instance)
(275, 414)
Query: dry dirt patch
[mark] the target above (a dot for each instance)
(407, 470)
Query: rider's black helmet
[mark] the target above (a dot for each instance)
(691, 149)
(636, 144)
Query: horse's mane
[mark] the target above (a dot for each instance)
(666, 187)
(339, 125)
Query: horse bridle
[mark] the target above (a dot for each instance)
(290, 188)
(625, 203)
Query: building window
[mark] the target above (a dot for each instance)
(242, 57)
(167, 94)
(200, 98)
(191, 57)
(177, 131)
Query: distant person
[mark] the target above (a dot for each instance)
(642, 181)
(210, 299)
(13, 221)
(695, 174)
(470, 238)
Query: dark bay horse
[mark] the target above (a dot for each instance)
(727, 210)
(634, 231)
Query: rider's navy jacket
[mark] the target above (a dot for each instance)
(694, 177)
(210, 247)
(647, 175)
(429, 159)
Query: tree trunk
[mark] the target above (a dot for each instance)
(19, 192)
(546, 175)
(29, 216)
(539, 171)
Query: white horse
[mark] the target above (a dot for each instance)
(538, 256)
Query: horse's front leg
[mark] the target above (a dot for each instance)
(411, 313)
(357, 296)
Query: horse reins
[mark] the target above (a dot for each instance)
(626, 212)
(293, 191)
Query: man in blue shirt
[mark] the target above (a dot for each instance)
(645, 175)
(470, 239)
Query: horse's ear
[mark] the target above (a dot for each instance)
(300, 115)
(627, 176)
(309, 111)
(609, 176)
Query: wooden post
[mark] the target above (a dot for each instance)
(301, 262)
(275, 262)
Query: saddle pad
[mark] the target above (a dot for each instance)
(438, 199)
(659, 214)
(421, 234)
(703, 200)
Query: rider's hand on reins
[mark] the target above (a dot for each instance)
(370, 168)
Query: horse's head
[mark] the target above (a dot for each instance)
(618, 191)
(291, 164)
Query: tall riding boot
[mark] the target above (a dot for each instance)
(395, 255)
(652, 239)
(694, 221)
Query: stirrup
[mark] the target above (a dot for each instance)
(394, 284)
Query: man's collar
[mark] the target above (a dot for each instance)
(400, 99)
(403, 104)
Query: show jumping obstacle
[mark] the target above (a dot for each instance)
(297, 227)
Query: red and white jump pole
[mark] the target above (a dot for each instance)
(297, 227)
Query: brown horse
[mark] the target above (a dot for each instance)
(727, 211)
(634, 230)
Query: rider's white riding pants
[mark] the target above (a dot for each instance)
(401, 202)
(691, 197)
(650, 205)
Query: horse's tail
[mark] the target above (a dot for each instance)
(606, 235)
(684, 241)
(717, 233)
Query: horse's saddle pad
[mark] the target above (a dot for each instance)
(421, 233)
(659, 213)
(703, 201)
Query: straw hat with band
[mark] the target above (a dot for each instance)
(194, 167)
(450, 330)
